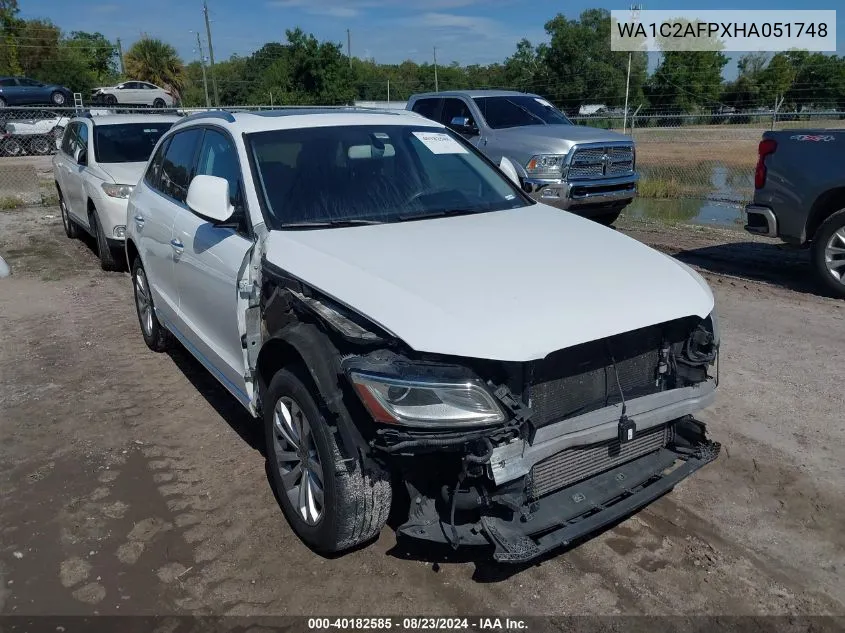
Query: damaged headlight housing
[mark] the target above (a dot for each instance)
(426, 403)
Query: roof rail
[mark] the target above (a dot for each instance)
(210, 114)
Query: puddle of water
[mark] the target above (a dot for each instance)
(686, 210)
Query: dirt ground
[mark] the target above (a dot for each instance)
(131, 483)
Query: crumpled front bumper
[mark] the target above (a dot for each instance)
(561, 517)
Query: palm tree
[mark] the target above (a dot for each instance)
(155, 61)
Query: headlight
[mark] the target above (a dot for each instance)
(117, 191)
(546, 166)
(421, 403)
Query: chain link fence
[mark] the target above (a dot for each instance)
(704, 157)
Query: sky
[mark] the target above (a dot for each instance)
(390, 31)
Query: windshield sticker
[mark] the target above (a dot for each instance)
(440, 143)
(510, 196)
(543, 102)
(815, 138)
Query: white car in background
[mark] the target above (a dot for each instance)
(35, 131)
(98, 164)
(134, 93)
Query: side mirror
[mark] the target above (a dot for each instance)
(208, 196)
(82, 157)
(463, 124)
(510, 171)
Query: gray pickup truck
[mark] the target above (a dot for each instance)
(799, 196)
(582, 169)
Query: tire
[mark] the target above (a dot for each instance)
(58, 98)
(608, 218)
(58, 132)
(12, 147)
(109, 99)
(107, 259)
(159, 103)
(41, 145)
(157, 338)
(828, 253)
(356, 493)
(71, 227)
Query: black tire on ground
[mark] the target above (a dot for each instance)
(831, 232)
(356, 492)
(608, 217)
(159, 103)
(58, 98)
(41, 145)
(155, 335)
(12, 147)
(110, 100)
(71, 227)
(107, 259)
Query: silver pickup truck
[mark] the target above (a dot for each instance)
(799, 196)
(582, 169)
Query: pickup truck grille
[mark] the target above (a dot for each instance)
(602, 162)
(575, 464)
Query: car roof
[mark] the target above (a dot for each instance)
(312, 116)
(119, 119)
(472, 94)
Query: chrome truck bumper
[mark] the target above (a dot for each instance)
(583, 196)
(574, 477)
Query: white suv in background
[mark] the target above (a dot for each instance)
(134, 93)
(415, 331)
(99, 161)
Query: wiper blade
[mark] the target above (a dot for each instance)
(438, 213)
(317, 224)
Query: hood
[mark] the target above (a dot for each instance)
(124, 173)
(557, 138)
(509, 285)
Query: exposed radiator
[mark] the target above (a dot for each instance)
(575, 464)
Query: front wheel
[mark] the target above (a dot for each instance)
(41, 145)
(155, 335)
(12, 147)
(58, 98)
(71, 227)
(828, 253)
(332, 503)
(110, 100)
(107, 259)
(159, 103)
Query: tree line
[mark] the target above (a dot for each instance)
(575, 67)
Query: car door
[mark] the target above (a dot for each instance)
(153, 211)
(207, 267)
(10, 91)
(32, 91)
(74, 187)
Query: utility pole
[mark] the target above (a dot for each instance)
(210, 53)
(388, 93)
(120, 54)
(349, 47)
(635, 16)
(436, 85)
(202, 65)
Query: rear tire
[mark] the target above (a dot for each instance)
(12, 147)
(107, 259)
(58, 98)
(41, 145)
(159, 103)
(828, 253)
(155, 335)
(331, 503)
(71, 227)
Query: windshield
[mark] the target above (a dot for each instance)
(519, 110)
(364, 174)
(127, 142)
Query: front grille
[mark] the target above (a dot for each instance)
(581, 379)
(576, 464)
(602, 162)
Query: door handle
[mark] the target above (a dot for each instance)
(177, 245)
(139, 221)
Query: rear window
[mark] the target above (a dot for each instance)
(127, 142)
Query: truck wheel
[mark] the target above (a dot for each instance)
(107, 259)
(58, 98)
(71, 227)
(331, 503)
(828, 253)
(155, 335)
(607, 218)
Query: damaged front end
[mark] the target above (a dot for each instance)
(528, 457)
(523, 456)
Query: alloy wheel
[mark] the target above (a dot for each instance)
(834, 255)
(297, 460)
(144, 302)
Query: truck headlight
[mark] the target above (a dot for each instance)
(426, 403)
(546, 166)
(117, 191)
